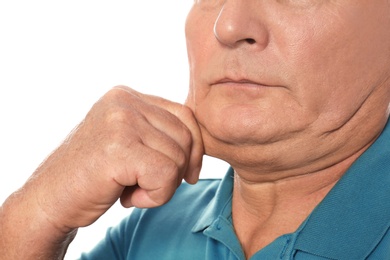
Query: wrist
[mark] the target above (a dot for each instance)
(29, 233)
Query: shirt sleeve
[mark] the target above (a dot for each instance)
(117, 241)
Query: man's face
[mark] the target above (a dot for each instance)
(277, 77)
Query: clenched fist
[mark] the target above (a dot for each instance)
(130, 146)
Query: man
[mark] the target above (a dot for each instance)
(294, 95)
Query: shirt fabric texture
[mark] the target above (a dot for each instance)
(351, 223)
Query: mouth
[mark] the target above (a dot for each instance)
(243, 89)
(241, 83)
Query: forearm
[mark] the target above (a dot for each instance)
(26, 231)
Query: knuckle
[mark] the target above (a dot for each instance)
(114, 146)
(114, 115)
(186, 113)
(114, 151)
(180, 159)
(114, 93)
(186, 138)
(117, 116)
(177, 155)
(170, 170)
(121, 95)
(163, 197)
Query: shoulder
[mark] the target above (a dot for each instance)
(203, 192)
(187, 202)
(156, 233)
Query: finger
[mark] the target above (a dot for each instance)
(160, 118)
(173, 145)
(155, 175)
(197, 148)
(186, 116)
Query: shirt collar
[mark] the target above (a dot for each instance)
(219, 205)
(351, 219)
(354, 216)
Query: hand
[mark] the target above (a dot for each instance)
(130, 146)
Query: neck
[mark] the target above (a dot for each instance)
(265, 209)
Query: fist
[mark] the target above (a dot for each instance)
(130, 146)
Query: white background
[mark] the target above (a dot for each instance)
(58, 57)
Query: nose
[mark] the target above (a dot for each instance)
(239, 23)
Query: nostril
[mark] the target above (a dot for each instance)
(250, 40)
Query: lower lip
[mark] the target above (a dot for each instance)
(238, 89)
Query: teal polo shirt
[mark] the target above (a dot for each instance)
(351, 223)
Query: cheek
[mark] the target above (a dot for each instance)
(333, 66)
(200, 43)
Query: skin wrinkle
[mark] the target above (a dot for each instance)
(322, 186)
(289, 94)
(328, 57)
